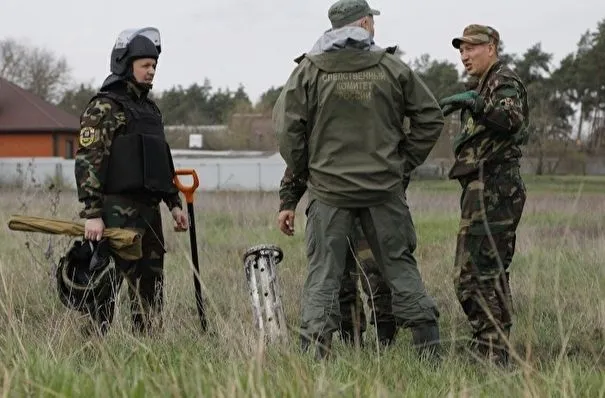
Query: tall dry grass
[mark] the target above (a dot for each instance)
(558, 282)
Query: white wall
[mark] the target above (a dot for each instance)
(243, 174)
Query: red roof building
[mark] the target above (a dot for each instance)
(32, 127)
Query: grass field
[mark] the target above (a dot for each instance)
(558, 283)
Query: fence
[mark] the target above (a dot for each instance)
(241, 174)
(247, 173)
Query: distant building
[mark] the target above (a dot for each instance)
(256, 127)
(257, 124)
(32, 127)
(192, 136)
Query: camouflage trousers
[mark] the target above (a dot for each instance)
(367, 271)
(490, 213)
(144, 277)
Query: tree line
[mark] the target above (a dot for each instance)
(567, 100)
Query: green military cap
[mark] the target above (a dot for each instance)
(477, 34)
(344, 12)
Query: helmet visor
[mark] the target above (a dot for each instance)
(127, 35)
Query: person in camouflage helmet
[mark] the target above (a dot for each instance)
(123, 170)
(353, 317)
(339, 120)
(494, 119)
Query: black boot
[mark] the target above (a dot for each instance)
(323, 347)
(351, 336)
(304, 343)
(386, 332)
(492, 348)
(426, 340)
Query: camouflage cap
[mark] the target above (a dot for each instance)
(344, 12)
(477, 34)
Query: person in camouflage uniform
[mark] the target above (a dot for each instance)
(339, 120)
(123, 170)
(353, 318)
(494, 118)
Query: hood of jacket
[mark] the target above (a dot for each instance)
(346, 37)
(345, 49)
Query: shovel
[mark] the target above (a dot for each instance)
(188, 191)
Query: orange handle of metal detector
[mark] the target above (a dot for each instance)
(188, 191)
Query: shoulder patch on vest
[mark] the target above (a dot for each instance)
(391, 50)
(88, 136)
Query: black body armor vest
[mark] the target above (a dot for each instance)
(140, 161)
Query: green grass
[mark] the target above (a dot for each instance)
(555, 183)
(558, 282)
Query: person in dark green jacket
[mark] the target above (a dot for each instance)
(361, 265)
(339, 122)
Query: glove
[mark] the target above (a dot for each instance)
(467, 99)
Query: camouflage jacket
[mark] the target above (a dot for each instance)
(99, 123)
(493, 136)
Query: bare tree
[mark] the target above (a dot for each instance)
(12, 56)
(35, 69)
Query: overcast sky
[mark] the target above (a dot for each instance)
(254, 42)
